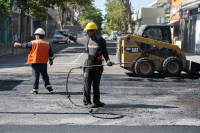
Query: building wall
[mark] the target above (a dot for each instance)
(193, 34)
(198, 30)
(147, 16)
(152, 13)
(152, 5)
(184, 2)
(175, 2)
(197, 36)
(175, 13)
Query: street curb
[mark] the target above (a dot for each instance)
(5, 55)
(26, 50)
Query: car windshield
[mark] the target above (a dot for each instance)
(58, 33)
(120, 33)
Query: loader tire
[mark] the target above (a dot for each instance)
(133, 69)
(144, 67)
(172, 66)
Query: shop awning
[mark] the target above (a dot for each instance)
(174, 22)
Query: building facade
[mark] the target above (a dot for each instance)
(179, 19)
(193, 26)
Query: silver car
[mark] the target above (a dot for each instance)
(57, 37)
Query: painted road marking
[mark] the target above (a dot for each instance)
(77, 58)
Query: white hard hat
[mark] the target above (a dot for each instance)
(40, 31)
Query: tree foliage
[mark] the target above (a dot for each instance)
(75, 5)
(78, 8)
(116, 17)
(91, 14)
(128, 9)
(5, 11)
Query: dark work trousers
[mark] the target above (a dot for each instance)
(38, 68)
(92, 75)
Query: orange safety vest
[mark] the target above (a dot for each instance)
(39, 52)
(98, 58)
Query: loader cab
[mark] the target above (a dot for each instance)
(156, 32)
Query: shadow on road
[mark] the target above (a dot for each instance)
(137, 106)
(8, 85)
(163, 76)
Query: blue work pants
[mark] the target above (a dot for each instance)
(38, 68)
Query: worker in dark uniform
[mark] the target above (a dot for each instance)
(96, 48)
(38, 57)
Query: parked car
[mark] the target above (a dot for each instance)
(81, 34)
(113, 37)
(57, 37)
(105, 36)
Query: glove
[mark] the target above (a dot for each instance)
(62, 33)
(109, 63)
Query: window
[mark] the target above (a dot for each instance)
(154, 33)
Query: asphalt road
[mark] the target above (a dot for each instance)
(158, 104)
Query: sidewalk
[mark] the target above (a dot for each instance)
(192, 57)
(7, 51)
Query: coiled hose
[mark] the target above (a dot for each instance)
(91, 110)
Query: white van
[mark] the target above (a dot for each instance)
(57, 37)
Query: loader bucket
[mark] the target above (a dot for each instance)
(195, 67)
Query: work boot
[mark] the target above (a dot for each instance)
(90, 105)
(50, 90)
(34, 92)
(99, 104)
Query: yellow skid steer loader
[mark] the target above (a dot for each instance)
(152, 50)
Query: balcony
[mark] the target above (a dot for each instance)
(167, 8)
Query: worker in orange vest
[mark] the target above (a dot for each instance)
(39, 53)
(96, 50)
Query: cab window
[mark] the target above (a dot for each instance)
(160, 34)
(154, 33)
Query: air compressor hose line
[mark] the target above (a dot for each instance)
(91, 110)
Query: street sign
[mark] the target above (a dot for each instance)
(160, 20)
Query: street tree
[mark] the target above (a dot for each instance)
(115, 18)
(128, 8)
(77, 7)
(38, 9)
(5, 11)
(91, 14)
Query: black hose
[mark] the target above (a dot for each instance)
(91, 110)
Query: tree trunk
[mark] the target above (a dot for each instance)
(60, 16)
(127, 6)
(28, 29)
(22, 23)
(122, 20)
(72, 17)
(130, 25)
